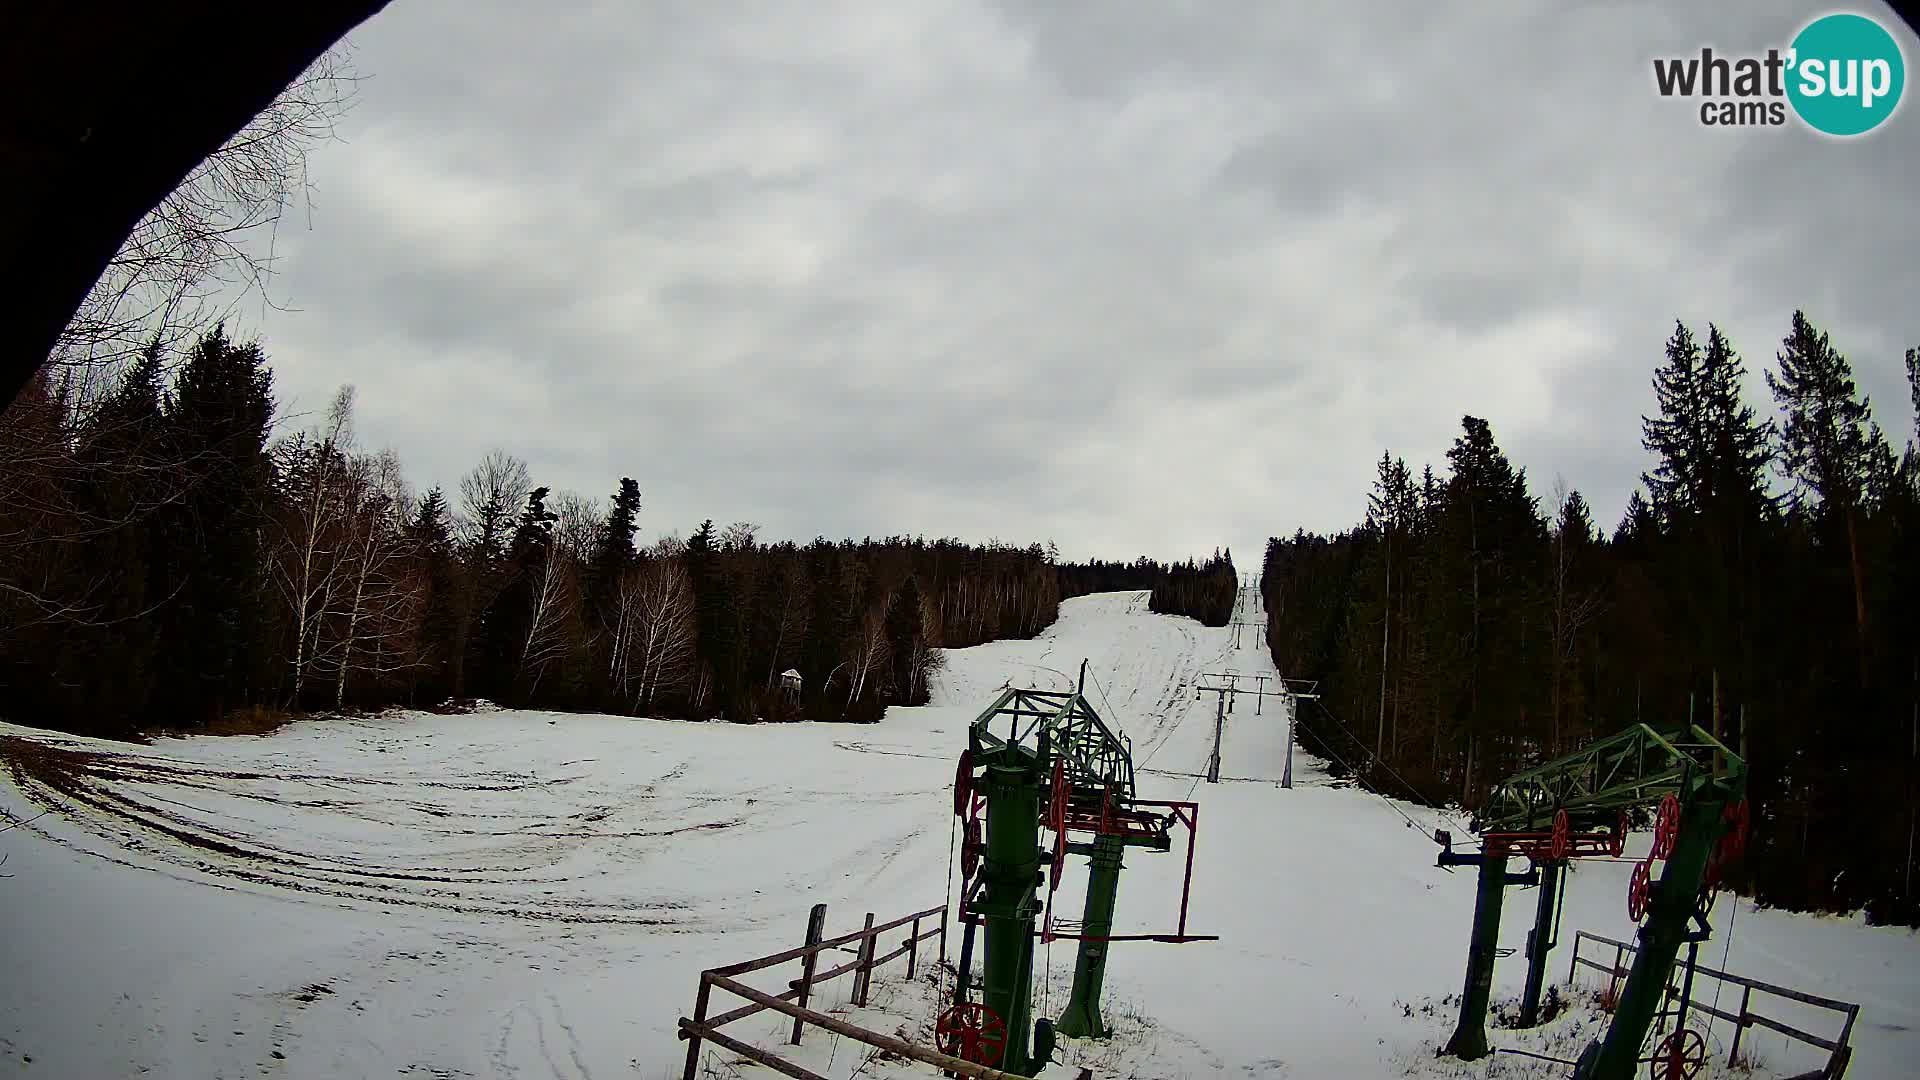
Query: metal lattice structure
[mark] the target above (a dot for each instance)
(1594, 784)
(1096, 758)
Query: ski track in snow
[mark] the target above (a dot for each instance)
(532, 895)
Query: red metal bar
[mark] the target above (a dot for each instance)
(1539, 845)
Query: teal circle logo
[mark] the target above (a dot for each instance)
(1846, 74)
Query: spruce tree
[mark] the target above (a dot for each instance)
(214, 635)
(714, 615)
(126, 479)
(1678, 436)
(615, 552)
(507, 623)
(904, 638)
(1737, 443)
(1638, 524)
(431, 536)
(1828, 444)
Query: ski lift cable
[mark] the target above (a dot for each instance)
(1440, 811)
(1727, 952)
(1342, 762)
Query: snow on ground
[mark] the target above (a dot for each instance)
(519, 894)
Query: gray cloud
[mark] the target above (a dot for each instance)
(1135, 277)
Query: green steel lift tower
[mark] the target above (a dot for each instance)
(1577, 806)
(1044, 759)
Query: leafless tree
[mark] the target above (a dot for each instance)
(656, 602)
(209, 244)
(556, 608)
(739, 536)
(381, 600)
(870, 653)
(305, 567)
(579, 523)
(490, 497)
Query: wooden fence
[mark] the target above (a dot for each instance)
(1839, 1050)
(793, 1002)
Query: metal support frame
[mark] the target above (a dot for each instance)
(1670, 909)
(1082, 1019)
(1051, 749)
(1226, 685)
(1469, 1039)
(1008, 905)
(1533, 813)
(1541, 940)
(1596, 782)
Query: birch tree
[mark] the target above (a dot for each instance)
(380, 596)
(314, 484)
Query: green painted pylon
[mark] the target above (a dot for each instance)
(1008, 905)
(1669, 909)
(1082, 1018)
(1540, 942)
(1469, 1040)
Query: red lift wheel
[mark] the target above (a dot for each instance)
(1739, 818)
(1710, 883)
(1562, 835)
(970, 848)
(1639, 888)
(972, 1032)
(1679, 1056)
(1666, 827)
(963, 784)
(1617, 844)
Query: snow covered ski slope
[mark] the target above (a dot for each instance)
(516, 894)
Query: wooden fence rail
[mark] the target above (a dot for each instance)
(701, 1027)
(1839, 1049)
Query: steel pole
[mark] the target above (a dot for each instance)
(1286, 772)
(1011, 869)
(1469, 1040)
(1082, 1016)
(1540, 942)
(1219, 722)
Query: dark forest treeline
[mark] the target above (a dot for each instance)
(1461, 633)
(1204, 591)
(1079, 579)
(165, 561)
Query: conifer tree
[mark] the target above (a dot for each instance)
(1678, 437)
(905, 636)
(214, 632)
(1828, 444)
(431, 537)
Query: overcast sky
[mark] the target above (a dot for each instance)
(1145, 277)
